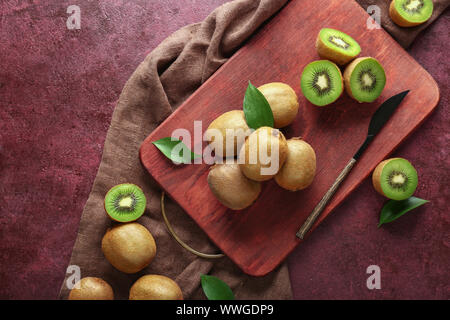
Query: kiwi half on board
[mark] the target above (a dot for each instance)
(364, 79)
(321, 82)
(410, 13)
(125, 202)
(336, 46)
(395, 179)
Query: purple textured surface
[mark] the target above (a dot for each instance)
(58, 88)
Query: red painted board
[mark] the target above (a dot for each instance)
(259, 238)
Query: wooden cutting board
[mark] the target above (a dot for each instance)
(259, 238)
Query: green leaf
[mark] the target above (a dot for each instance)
(216, 289)
(393, 209)
(167, 147)
(257, 110)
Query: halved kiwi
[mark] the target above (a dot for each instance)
(410, 13)
(321, 82)
(336, 46)
(125, 202)
(395, 178)
(364, 79)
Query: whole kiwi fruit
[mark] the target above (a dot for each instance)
(231, 187)
(91, 288)
(395, 178)
(232, 123)
(282, 100)
(299, 168)
(263, 154)
(129, 247)
(155, 287)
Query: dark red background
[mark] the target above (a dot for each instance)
(58, 88)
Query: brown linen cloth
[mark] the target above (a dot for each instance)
(161, 83)
(404, 36)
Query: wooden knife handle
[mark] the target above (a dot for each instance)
(326, 198)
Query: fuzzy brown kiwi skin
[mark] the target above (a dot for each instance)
(231, 187)
(155, 287)
(122, 256)
(92, 288)
(234, 119)
(398, 19)
(104, 206)
(283, 101)
(299, 169)
(253, 171)
(327, 53)
(376, 176)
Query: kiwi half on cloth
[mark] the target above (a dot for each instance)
(321, 82)
(410, 13)
(364, 79)
(395, 179)
(336, 46)
(125, 202)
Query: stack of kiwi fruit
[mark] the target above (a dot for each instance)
(236, 182)
(322, 81)
(129, 247)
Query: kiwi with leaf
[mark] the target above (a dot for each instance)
(125, 202)
(364, 79)
(410, 13)
(282, 100)
(337, 46)
(321, 82)
(395, 178)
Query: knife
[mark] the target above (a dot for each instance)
(379, 118)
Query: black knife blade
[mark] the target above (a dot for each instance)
(379, 119)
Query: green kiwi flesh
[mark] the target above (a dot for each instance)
(125, 202)
(321, 82)
(398, 179)
(415, 11)
(339, 41)
(367, 80)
